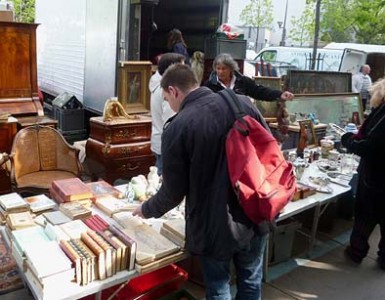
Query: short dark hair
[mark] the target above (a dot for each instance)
(180, 76)
(167, 60)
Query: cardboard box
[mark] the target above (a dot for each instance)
(6, 16)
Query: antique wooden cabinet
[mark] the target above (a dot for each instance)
(119, 149)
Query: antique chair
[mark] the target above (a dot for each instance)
(40, 155)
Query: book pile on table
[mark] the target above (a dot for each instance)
(72, 189)
(16, 221)
(40, 203)
(174, 230)
(12, 203)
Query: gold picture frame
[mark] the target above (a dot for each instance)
(133, 92)
(268, 109)
(307, 135)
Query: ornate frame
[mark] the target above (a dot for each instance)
(133, 79)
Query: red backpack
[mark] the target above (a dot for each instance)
(261, 177)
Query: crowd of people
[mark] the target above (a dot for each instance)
(190, 123)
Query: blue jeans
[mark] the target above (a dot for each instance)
(248, 265)
(158, 163)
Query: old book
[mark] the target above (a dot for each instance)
(40, 203)
(122, 246)
(56, 217)
(30, 235)
(108, 250)
(172, 237)
(102, 188)
(71, 189)
(47, 260)
(151, 245)
(84, 259)
(117, 259)
(111, 205)
(155, 265)
(74, 228)
(177, 227)
(92, 269)
(75, 259)
(74, 210)
(20, 220)
(13, 201)
(99, 252)
(129, 242)
(96, 223)
(55, 196)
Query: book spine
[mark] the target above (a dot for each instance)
(99, 252)
(84, 260)
(131, 244)
(108, 251)
(116, 246)
(102, 222)
(83, 193)
(75, 258)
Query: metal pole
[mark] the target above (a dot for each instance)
(283, 42)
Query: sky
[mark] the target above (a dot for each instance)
(294, 8)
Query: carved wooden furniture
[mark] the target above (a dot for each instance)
(39, 156)
(120, 148)
(8, 130)
(5, 182)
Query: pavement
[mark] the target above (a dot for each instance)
(326, 275)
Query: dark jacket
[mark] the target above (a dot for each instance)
(244, 86)
(369, 144)
(194, 165)
(181, 49)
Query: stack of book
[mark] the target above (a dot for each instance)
(74, 210)
(111, 205)
(12, 203)
(175, 230)
(16, 221)
(40, 203)
(72, 189)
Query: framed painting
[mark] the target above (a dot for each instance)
(133, 91)
(340, 109)
(268, 108)
(307, 136)
(318, 82)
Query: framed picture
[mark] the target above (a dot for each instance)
(307, 136)
(268, 109)
(133, 90)
(318, 82)
(328, 108)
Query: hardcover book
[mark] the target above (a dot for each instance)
(102, 188)
(108, 250)
(92, 270)
(111, 205)
(75, 259)
(13, 201)
(55, 233)
(151, 245)
(84, 260)
(71, 189)
(74, 210)
(56, 217)
(99, 252)
(39, 203)
(74, 228)
(20, 220)
(96, 223)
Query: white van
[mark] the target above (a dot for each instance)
(356, 55)
(284, 58)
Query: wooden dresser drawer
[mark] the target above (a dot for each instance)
(120, 131)
(105, 151)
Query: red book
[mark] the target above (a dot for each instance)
(55, 196)
(71, 189)
(96, 223)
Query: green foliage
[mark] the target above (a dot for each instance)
(343, 21)
(258, 13)
(303, 27)
(24, 10)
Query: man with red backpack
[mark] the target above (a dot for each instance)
(195, 167)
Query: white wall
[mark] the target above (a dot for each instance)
(294, 8)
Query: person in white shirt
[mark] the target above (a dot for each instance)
(361, 83)
(160, 109)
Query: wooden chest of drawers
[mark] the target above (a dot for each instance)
(119, 149)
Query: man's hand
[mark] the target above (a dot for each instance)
(138, 212)
(287, 96)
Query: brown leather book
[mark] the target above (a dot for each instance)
(131, 244)
(74, 257)
(92, 269)
(71, 189)
(99, 252)
(108, 250)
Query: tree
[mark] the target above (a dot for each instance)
(303, 27)
(24, 10)
(258, 13)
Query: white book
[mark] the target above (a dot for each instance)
(12, 201)
(30, 235)
(40, 202)
(56, 233)
(74, 228)
(46, 260)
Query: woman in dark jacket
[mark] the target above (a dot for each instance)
(176, 44)
(369, 144)
(226, 75)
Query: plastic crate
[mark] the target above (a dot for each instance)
(151, 286)
(69, 119)
(215, 46)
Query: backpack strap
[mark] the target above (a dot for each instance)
(235, 105)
